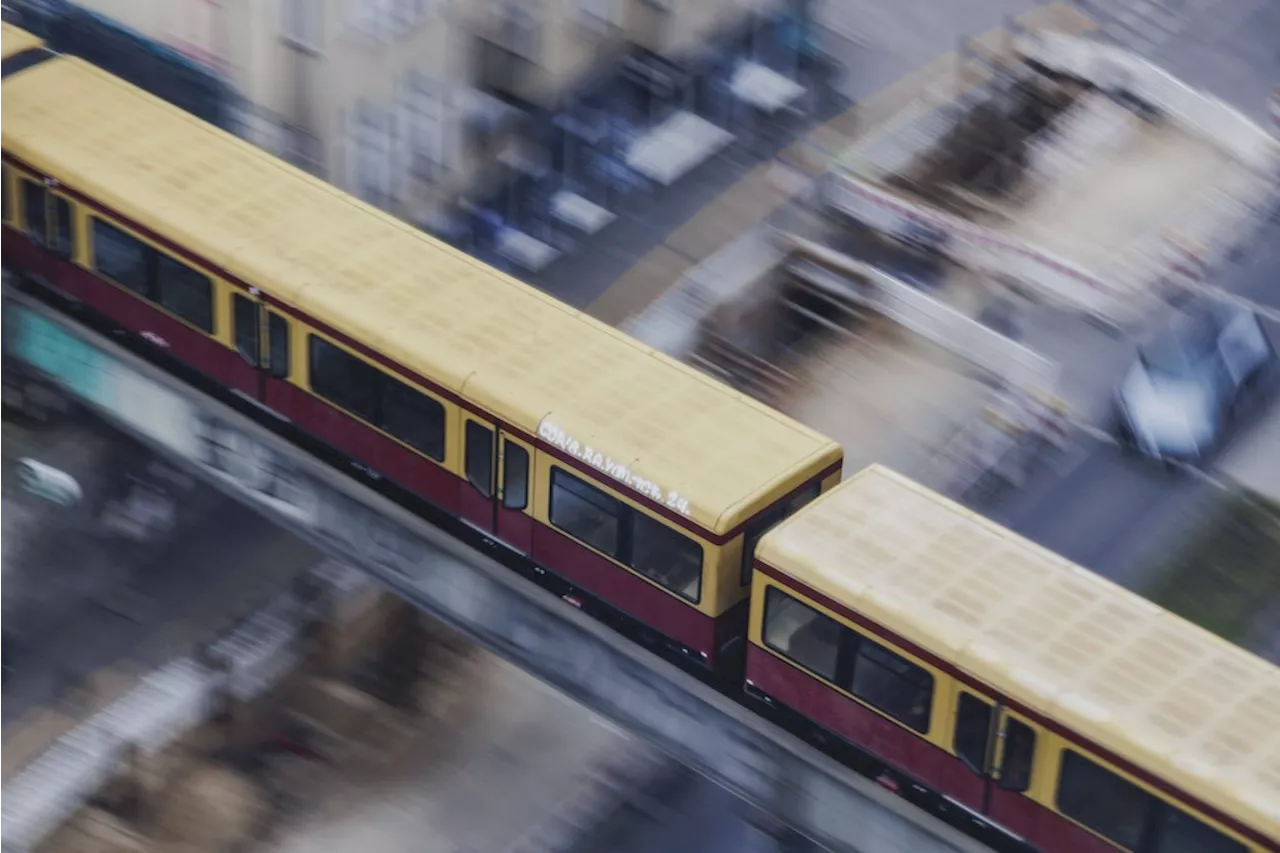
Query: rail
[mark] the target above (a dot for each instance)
(683, 717)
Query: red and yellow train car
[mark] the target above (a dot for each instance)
(1048, 700)
(618, 477)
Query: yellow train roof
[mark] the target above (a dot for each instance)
(14, 40)
(1173, 698)
(530, 359)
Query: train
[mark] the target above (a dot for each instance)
(974, 673)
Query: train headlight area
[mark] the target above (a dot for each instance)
(460, 434)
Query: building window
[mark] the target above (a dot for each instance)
(670, 558)
(33, 208)
(515, 476)
(343, 379)
(278, 342)
(371, 152)
(767, 521)
(413, 417)
(973, 731)
(802, 634)
(185, 292)
(893, 684)
(121, 258)
(1111, 806)
(301, 21)
(586, 513)
(244, 320)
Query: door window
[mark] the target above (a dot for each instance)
(33, 208)
(62, 236)
(245, 322)
(278, 345)
(973, 731)
(479, 457)
(1019, 754)
(515, 476)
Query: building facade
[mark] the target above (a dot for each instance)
(411, 104)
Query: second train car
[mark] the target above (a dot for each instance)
(1034, 695)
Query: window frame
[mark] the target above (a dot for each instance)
(618, 510)
(273, 370)
(626, 517)
(423, 405)
(369, 416)
(36, 232)
(470, 425)
(983, 765)
(1147, 802)
(1161, 818)
(238, 300)
(1006, 735)
(841, 663)
(59, 204)
(167, 289)
(682, 541)
(865, 644)
(508, 447)
(98, 224)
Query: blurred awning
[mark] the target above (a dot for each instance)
(763, 87)
(671, 149)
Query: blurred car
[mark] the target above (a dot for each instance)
(1179, 399)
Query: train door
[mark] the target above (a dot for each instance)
(247, 335)
(496, 495)
(515, 492)
(46, 218)
(1013, 768)
(261, 338)
(974, 737)
(476, 504)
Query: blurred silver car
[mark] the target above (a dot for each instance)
(1179, 399)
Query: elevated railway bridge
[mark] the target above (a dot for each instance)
(807, 792)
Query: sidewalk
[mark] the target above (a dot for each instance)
(759, 192)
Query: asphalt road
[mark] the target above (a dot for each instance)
(86, 601)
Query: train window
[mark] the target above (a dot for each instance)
(185, 292)
(797, 631)
(1019, 755)
(1179, 832)
(772, 516)
(121, 258)
(586, 513)
(278, 340)
(515, 476)
(893, 684)
(244, 321)
(661, 554)
(63, 236)
(973, 731)
(342, 379)
(34, 208)
(479, 457)
(413, 417)
(1090, 794)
